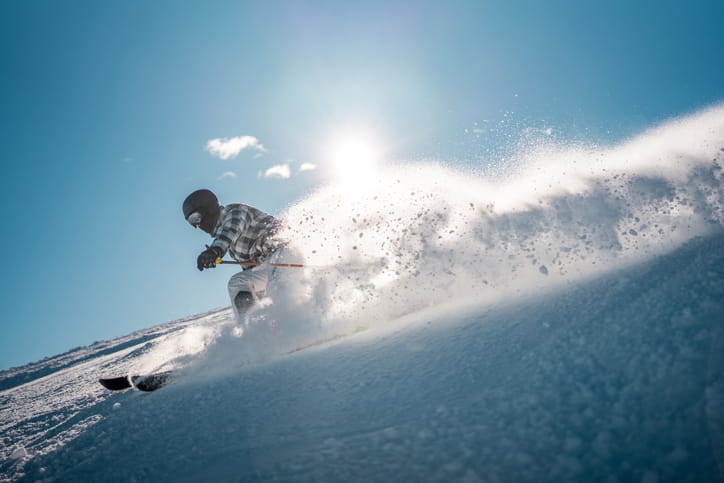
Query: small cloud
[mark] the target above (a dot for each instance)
(307, 167)
(280, 171)
(228, 174)
(227, 148)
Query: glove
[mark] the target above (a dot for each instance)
(208, 257)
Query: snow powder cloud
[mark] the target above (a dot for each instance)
(425, 233)
(227, 148)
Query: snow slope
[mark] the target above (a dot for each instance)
(560, 321)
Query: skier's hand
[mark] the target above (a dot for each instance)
(208, 257)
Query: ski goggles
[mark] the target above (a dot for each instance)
(194, 219)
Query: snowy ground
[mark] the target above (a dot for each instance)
(572, 332)
(620, 379)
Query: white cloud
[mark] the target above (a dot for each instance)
(228, 174)
(307, 167)
(281, 171)
(227, 148)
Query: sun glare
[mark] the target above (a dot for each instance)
(354, 158)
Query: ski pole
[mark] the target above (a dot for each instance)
(219, 261)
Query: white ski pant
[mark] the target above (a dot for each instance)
(253, 280)
(257, 279)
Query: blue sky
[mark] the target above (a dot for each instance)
(109, 107)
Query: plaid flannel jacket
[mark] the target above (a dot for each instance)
(246, 233)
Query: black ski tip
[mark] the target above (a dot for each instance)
(116, 383)
(148, 383)
(151, 382)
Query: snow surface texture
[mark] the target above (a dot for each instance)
(561, 320)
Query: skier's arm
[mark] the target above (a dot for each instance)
(235, 221)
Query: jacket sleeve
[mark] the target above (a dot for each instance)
(233, 224)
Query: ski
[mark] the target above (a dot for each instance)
(116, 383)
(147, 383)
(152, 382)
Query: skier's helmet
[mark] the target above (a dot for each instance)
(204, 206)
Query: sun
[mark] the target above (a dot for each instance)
(354, 157)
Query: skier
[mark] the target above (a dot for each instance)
(246, 233)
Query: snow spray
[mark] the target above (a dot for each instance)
(426, 234)
(429, 234)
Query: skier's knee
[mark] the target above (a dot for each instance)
(243, 301)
